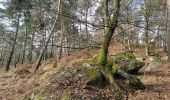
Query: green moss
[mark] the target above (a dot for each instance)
(136, 84)
(127, 62)
(139, 63)
(94, 59)
(130, 55)
(74, 71)
(39, 96)
(95, 78)
(65, 96)
(114, 68)
(124, 56)
(28, 97)
(47, 88)
(132, 66)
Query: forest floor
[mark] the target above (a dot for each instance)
(49, 80)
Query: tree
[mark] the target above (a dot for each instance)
(103, 54)
(168, 4)
(47, 42)
(17, 6)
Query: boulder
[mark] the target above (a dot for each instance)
(127, 62)
(153, 62)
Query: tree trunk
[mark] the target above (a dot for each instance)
(14, 43)
(62, 31)
(168, 4)
(103, 54)
(48, 39)
(146, 38)
(146, 34)
(106, 14)
(25, 43)
(30, 55)
(108, 35)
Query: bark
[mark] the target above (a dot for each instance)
(86, 15)
(104, 49)
(30, 55)
(48, 39)
(52, 43)
(14, 44)
(62, 32)
(146, 37)
(168, 4)
(146, 34)
(106, 14)
(108, 35)
(25, 44)
(17, 58)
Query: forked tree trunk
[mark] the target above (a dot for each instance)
(108, 35)
(48, 39)
(106, 41)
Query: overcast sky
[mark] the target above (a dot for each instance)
(1, 6)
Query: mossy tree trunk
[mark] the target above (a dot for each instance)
(103, 54)
(108, 35)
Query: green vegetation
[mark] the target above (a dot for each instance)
(127, 62)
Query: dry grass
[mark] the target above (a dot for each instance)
(22, 79)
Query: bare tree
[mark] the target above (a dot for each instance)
(48, 39)
(14, 43)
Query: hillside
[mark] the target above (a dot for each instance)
(67, 80)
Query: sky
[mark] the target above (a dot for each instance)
(1, 6)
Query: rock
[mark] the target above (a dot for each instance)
(153, 62)
(94, 77)
(127, 62)
(133, 81)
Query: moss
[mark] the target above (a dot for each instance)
(75, 71)
(133, 66)
(130, 55)
(65, 96)
(39, 96)
(109, 64)
(95, 78)
(136, 84)
(114, 68)
(139, 63)
(94, 59)
(124, 56)
(127, 62)
(47, 89)
(28, 97)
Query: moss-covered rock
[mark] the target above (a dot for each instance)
(124, 56)
(127, 62)
(136, 84)
(95, 78)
